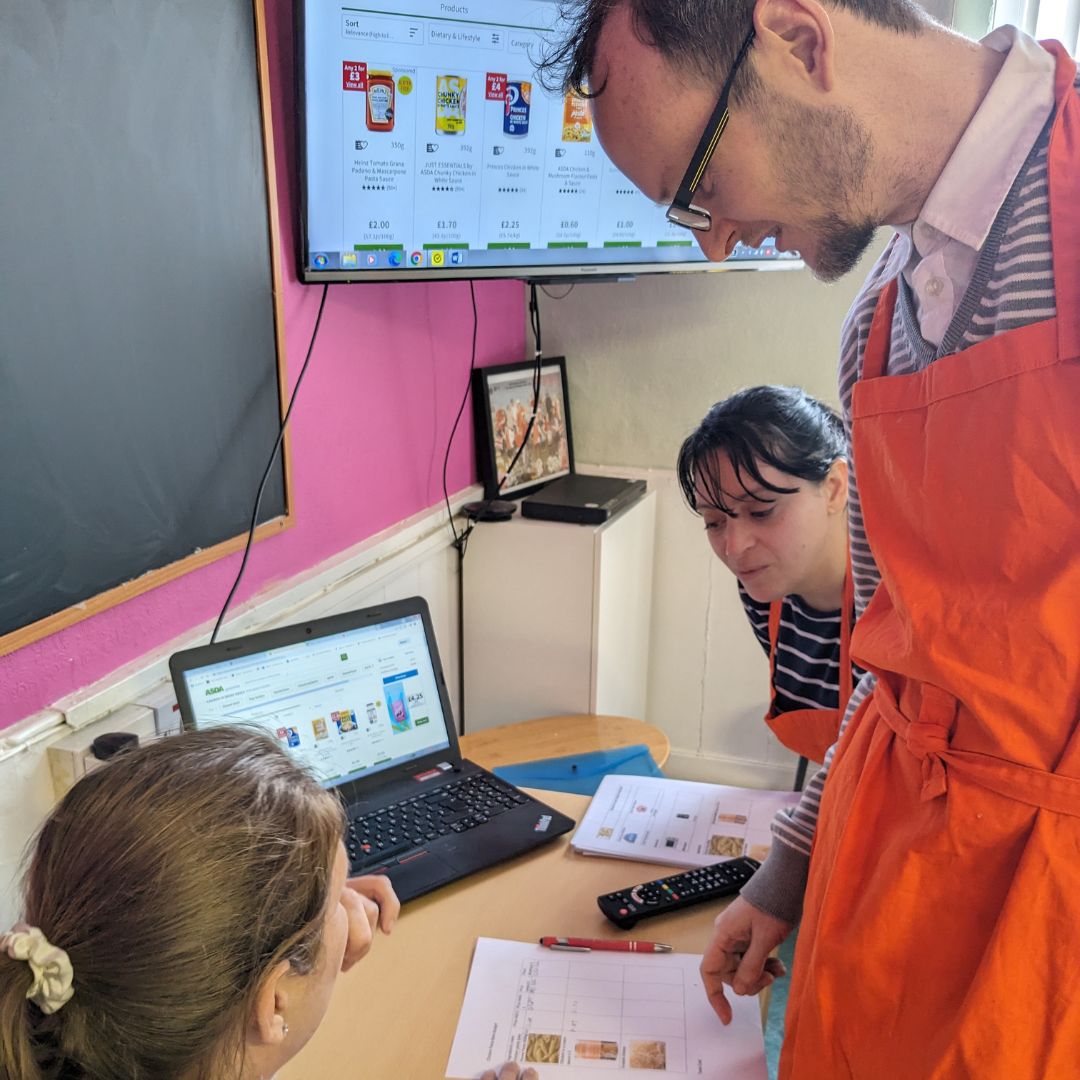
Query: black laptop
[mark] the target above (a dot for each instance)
(360, 699)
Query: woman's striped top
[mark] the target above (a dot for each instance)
(807, 671)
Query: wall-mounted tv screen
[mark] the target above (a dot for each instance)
(430, 150)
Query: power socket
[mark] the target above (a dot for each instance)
(70, 758)
(162, 699)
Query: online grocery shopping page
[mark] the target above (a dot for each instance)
(346, 705)
(430, 143)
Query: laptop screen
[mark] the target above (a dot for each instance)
(347, 705)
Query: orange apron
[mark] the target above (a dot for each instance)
(810, 732)
(941, 933)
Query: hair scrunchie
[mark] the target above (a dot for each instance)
(51, 988)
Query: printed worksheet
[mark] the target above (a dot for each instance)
(678, 822)
(576, 1016)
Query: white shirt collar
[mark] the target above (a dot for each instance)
(968, 194)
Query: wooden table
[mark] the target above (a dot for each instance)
(556, 736)
(393, 1017)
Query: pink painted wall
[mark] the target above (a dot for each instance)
(369, 431)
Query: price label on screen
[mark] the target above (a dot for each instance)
(496, 87)
(353, 75)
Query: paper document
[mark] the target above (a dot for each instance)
(579, 1016)
(678, 822)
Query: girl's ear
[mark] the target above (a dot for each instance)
(268, 1027)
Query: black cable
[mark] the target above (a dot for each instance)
(461, 409)
(569, 290)
(461, 540)
(534, 318)
(800, 774)
(538, 358)
(269, 467)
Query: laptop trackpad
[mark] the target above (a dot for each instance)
(419, 873)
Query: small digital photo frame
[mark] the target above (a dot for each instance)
(503, 399)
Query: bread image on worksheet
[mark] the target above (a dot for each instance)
(648, 1054)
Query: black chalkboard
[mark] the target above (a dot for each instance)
(139, 369)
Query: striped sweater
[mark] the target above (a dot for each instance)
(1012, 286)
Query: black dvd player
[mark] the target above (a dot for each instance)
(582, 499)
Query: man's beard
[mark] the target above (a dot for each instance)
(840, 245)
(821, 158)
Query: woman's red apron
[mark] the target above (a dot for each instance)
(810, 732)
(941, 935)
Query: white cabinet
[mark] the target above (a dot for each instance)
(557, 617)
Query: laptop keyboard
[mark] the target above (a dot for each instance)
(410, 823)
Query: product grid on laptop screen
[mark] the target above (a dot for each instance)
(347, 705)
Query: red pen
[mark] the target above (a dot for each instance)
(577, 944)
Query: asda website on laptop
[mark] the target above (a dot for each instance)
(346, 706)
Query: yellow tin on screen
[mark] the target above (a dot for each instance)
(450, 104)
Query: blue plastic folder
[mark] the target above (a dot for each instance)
(580, 774)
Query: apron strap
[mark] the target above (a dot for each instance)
(847, 620)
(775, 610)
(875, 359)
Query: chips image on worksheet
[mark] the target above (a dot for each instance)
(543, 1048)
(595, 1014)
(728, 847)
(648, 1054)
(596, 1050)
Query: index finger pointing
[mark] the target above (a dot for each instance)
(713, 978)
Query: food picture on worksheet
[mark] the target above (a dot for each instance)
(574, 1016)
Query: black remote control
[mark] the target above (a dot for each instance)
(666, 894)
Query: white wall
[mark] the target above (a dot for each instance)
(645, 361)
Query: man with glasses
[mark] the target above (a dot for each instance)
(941, 908)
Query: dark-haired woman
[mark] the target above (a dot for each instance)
(767, 472)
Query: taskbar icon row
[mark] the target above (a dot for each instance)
(392, 258)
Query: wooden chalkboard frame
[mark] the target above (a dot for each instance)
(42, 628)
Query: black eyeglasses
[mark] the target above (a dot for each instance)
(682, 210)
